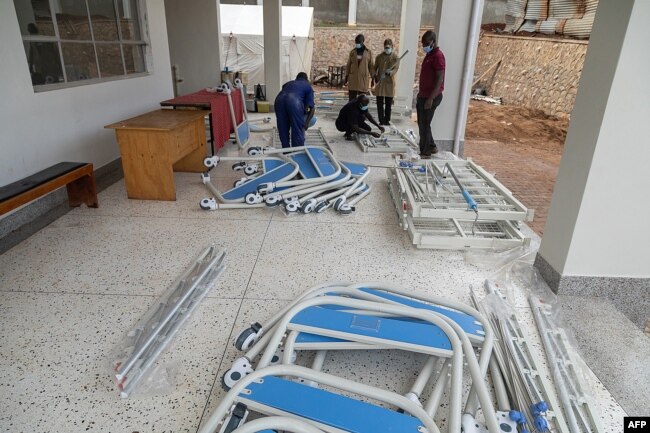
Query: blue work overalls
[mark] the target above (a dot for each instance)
(290, 107)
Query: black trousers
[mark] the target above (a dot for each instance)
(427, 145)
(384, 104)
(347, 127)
(352, 94)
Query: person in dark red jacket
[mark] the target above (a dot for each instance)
(432, 83)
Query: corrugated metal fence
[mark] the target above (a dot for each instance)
(568, 17)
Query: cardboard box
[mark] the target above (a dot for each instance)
(263, 106)
(231, 75)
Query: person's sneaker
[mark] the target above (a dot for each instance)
(425, 156)
(435, 149)
(348, 137)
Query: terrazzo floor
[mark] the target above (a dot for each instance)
(70, 292)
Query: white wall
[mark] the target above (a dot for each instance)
(598, 221)
(42, 129)
(194, 42)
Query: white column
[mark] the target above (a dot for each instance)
(305, 3)
(454, 20)
(272, 48)
(194, 37)
(409, 39)
(352, 12)
(598, 221)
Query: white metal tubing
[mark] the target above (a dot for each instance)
(289, 343)
(283, 423)
(438, 390)
(499, 386)
(317, 364)
(360, 389)
(427, 316)
(358, 197)
(424, 376)
(126, 366)
(467, 77)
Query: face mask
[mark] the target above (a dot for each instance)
(357, 46)
(388, 50)
(428, 49)
(364, 108)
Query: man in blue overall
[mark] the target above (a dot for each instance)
(294, 101)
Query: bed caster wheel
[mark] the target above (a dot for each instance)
(240, 368)
(248, 337)
(288, 200)
(320, 207)
(292, 207)
(237, 418)
(346, 209)
(309, 205)
(265, 188)
(250, 169)
(240, 182)
(238, 166)
(252, 198)
(254, 151)
(338, 203)
(273, 200)
(205, 178)
(211, 161)
(208, 204)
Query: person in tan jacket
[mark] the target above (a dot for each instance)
(359, 69)
(386, 65)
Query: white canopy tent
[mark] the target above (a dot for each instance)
(242, 33)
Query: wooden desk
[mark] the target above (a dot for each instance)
(156, 144)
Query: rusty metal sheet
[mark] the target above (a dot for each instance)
(537, 10)
(516, 8)
(580, 28)
(569, 9)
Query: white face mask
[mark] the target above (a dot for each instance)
(357, 46)
(388, 50)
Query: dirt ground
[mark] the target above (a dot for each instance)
(522, 147)
(518, 126)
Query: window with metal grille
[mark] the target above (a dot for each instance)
(73, 42)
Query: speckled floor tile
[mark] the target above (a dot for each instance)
(296, 256)
(55, 364)
(127, 255)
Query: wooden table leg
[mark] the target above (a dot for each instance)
(83, 190)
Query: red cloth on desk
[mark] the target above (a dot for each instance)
(222, 125)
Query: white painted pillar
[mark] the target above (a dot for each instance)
(260, 2)
(409, 39)
(194, 37)
(597, 234)
(272, 48)
(352, 12)
(454, 19)
(305, 3)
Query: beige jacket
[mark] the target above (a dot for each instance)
(359, 72)
(385, 87)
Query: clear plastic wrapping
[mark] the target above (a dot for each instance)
(136, 367)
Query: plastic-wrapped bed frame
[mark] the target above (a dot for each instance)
(394, 141)
(320, 321)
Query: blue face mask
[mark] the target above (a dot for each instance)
(364, 108)
(388, 50)
(357, 46)
(428, 49)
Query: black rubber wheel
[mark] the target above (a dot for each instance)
(204, 207)
(223, 382)
(241, 339)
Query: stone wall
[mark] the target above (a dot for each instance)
(540, 73)
(332, 45)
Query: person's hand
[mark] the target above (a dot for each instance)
(428, 104)
(375, 134)
(381, 128)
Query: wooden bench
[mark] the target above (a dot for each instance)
(77, 177)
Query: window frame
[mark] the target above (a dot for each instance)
(143, 42)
